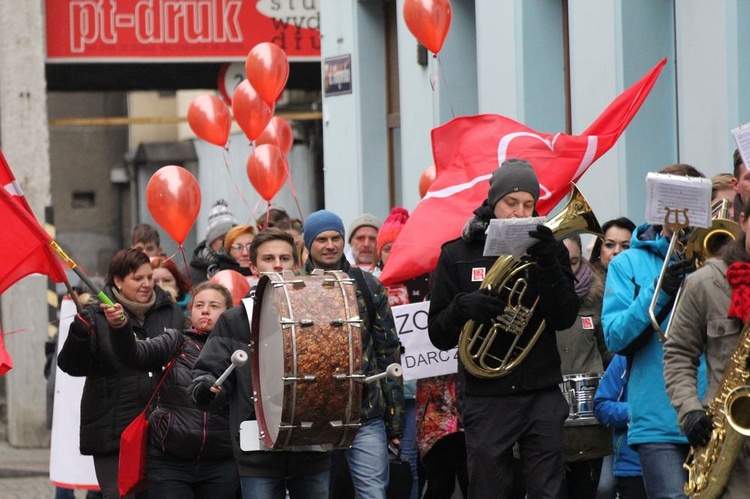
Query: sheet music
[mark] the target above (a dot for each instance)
(510, 236)
(741, 136)
(691, 194)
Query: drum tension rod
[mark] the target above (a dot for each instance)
(355, 321)
(340, 424)
(286, 322)
(304, 425)
(296, 283)
(293, 379)
(329, 282)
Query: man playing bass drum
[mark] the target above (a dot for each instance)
(714, 305)
(526, 405)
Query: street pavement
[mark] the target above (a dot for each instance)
(24, 474)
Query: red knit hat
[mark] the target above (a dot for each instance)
(391, 227)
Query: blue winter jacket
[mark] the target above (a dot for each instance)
(631, 279)
(611, 410)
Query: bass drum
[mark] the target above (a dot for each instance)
(579, 390)
(306, 351)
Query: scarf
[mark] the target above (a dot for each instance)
(583, 280)
(738, 276)
(137, 310)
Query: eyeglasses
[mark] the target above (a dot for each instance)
(240, 247)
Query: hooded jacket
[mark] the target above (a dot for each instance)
(176, 427)
(113, 394)
(611, 410)
(461, 268)
(701, 326)
(631, 282)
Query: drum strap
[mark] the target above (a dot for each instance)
(249, 303)
(365, 290)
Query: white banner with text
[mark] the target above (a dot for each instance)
(420, 358)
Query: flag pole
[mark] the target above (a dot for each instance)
(88, 282)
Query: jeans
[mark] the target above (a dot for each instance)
(368, 460)
(409, 448)
(61, 493)
(300, 487)
(607, 483)
(663, 474)
(173, 478)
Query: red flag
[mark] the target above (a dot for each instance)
(468, 149)
(25, 249)
(6, 363)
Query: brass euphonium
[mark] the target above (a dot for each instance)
(516, 331)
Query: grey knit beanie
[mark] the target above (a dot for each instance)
(220, 220)
(513, 176)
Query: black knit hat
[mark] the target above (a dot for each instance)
(514, 175)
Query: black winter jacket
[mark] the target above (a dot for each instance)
(203, 258)
(459, 270)
(176, 426)
(113, 395)
(232, 332)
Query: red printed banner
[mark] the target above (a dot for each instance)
(179, 30)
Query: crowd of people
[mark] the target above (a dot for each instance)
(519, 434)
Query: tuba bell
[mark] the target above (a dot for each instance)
(495, 351)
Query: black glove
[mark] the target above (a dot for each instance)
(480, 305)
(697, 428)
(543, 252)
(676, 272)
(201, 393)
(82, 325)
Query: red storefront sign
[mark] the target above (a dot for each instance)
(179, 30)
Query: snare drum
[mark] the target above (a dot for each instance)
(306, 348)
(579, 391)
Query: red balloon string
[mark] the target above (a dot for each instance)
(229, 172)
(254, 211)
(445, 84)
(181, 249)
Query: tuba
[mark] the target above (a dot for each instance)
(495, 352)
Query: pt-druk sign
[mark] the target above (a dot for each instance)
(179, 30)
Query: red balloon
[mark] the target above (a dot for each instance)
(251, 113)
(266, 169)
(277, 133)
(267, 69)
(209, 118)
(428, 21)
(235, 282)
(426, 180)
(173, 198)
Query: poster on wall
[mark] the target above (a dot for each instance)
(177, 31)
(337, 75)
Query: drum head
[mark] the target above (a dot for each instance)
(268, 369)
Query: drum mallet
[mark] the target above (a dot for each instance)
(239, 357)
(393, 371)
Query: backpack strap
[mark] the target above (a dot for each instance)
(366, 294)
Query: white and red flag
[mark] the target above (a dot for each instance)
(468, 149)
(25, 245)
